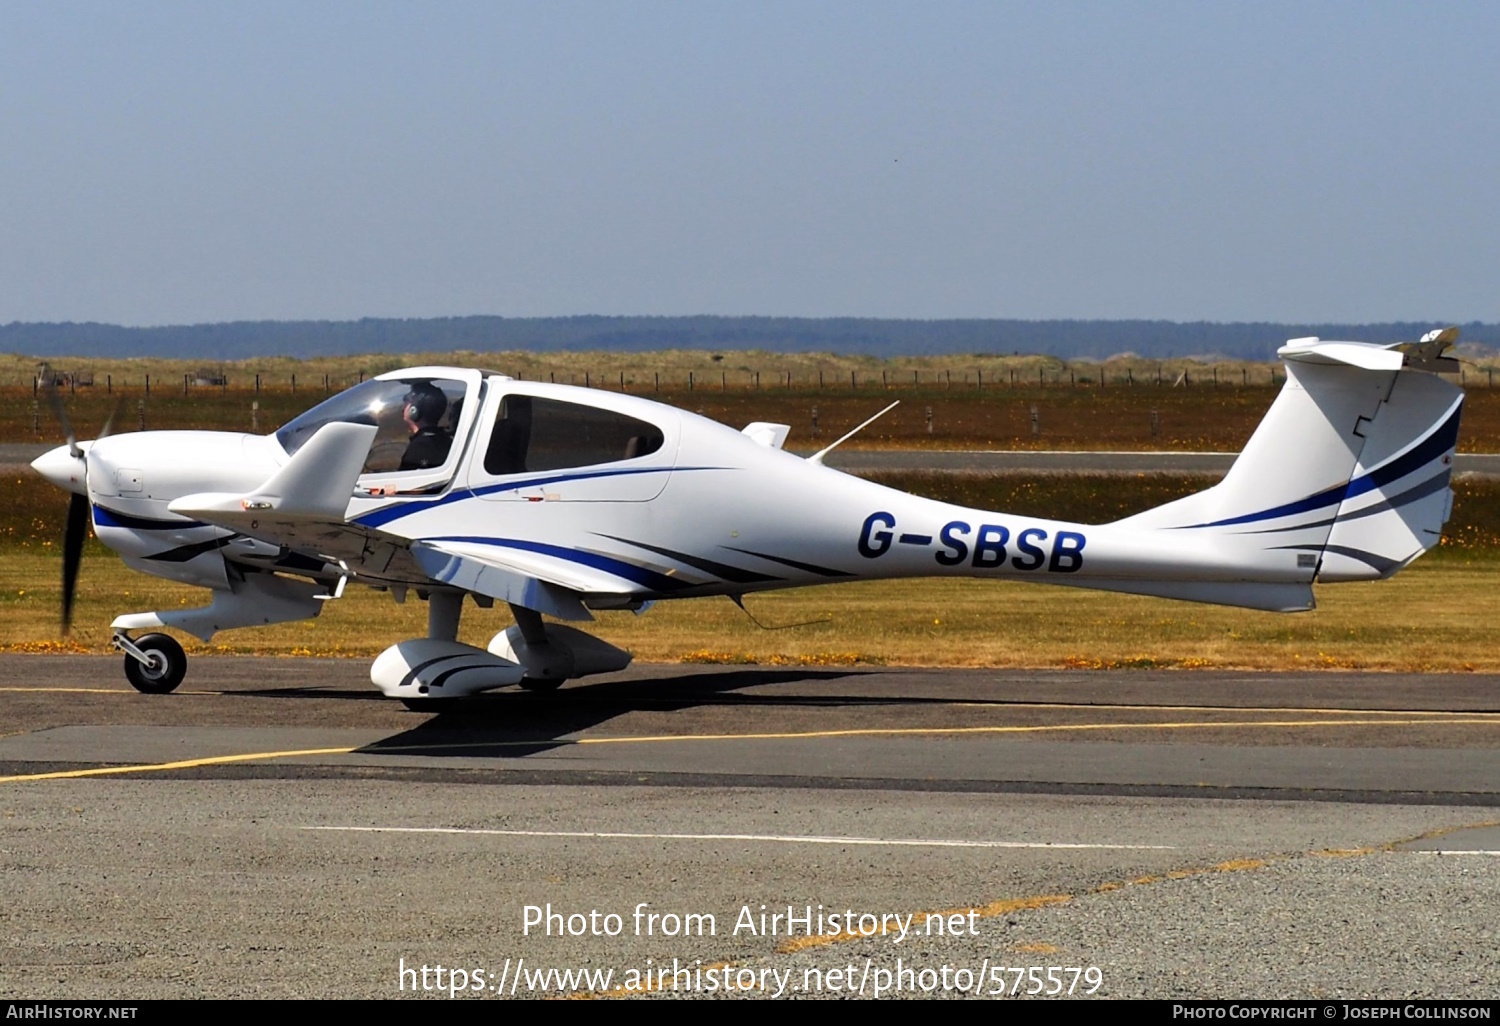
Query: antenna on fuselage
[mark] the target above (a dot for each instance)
(817, 457)
(739, 600)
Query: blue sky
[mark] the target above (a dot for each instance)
(174, 163)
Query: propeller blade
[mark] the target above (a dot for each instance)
(55, 401)
(77, 531)
(109, 422)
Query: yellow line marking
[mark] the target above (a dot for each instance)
(1032, 729)
(914, 732)
(1007, 906)
(1485, 824)
(1038, 948)
(664, 738)
(101, 691)
(1147, 707)
(994, 908)
(1437, 714)
(213, 760)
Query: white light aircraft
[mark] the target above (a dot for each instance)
(448, 482)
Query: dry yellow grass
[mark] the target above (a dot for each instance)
(1443, 614)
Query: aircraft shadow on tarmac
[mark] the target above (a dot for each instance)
(514, 724)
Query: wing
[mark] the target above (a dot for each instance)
(302, 507)
(528, 575)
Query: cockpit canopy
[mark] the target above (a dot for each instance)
(417, 420)
(426, 415)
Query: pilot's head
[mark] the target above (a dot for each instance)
(424, 406)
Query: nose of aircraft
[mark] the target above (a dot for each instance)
(62, 468)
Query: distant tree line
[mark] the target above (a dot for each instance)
(848, 335)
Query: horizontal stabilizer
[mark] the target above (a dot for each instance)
(1352, 354)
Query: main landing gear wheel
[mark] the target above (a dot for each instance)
(166, 667)
(532, 684)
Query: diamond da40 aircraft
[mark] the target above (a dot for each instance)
(556, 500)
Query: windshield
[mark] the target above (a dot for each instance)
(416, 418)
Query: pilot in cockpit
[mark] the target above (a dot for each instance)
(424, 407)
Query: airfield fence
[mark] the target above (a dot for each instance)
(1048, 404)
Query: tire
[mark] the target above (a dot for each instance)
(541, 685)
(168, 665)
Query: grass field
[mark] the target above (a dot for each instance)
(1443, 614)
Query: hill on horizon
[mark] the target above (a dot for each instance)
(1066, 339)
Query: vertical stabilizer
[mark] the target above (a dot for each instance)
(1349, 470)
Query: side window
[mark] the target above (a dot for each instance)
(534, 434)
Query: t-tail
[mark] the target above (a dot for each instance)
(1349, 471)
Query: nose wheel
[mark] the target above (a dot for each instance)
(154, 663)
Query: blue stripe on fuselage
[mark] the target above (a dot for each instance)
(113, 518)
(395, 511)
